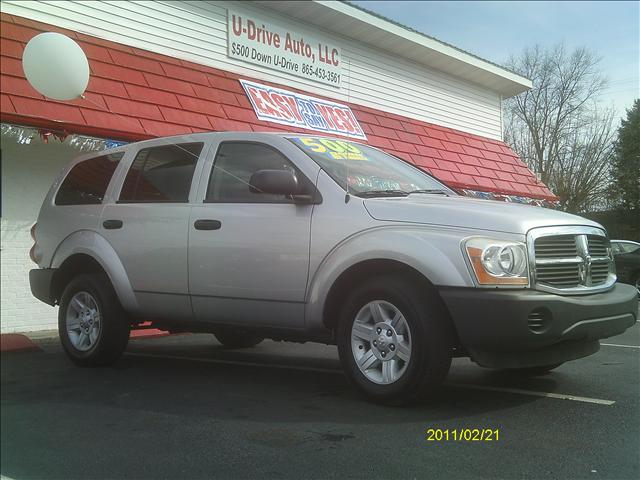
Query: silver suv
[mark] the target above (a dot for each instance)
(305, 238)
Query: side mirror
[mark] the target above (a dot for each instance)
(277, 182)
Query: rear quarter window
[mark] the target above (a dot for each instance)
(87, 182)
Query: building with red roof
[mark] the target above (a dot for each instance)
(163, 68)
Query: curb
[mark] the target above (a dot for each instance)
(16, 342)
(148, 333)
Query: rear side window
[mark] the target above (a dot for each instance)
(87, 181)
(161, 174)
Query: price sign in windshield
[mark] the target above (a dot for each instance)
(334, 149)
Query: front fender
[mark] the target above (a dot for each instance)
(93, 244)
(434, 252)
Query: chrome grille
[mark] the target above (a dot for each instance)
(571, 259)
(598, 246)
(599, 273)
(556, 246)
(561, 276)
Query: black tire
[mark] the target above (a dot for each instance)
(238, 339)
(113, 334)
(533, 371)
(431, 339)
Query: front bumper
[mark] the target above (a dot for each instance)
(498, 329)
(41, 281)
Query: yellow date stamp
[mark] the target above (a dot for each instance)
(462, 435)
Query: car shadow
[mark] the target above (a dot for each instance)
(223, 384)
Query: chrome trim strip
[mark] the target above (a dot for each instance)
(558, 261)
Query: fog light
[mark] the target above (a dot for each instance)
(539, 320)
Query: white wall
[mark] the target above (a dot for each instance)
(196, 31)
(27, 174)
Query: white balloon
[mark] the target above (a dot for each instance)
(56, 66)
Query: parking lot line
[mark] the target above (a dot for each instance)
(517, 391)
(617, 345)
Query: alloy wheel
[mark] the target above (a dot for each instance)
(381, 342)
(83, 321)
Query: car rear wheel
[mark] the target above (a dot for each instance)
(394, 340)
(238, 339)
(92, 324)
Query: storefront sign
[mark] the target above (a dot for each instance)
(289, 108)
(260, 42)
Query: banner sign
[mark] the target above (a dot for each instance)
(256, 41)
(288, 108)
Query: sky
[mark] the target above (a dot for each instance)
(494, 30)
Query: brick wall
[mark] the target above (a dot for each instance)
(27, 174)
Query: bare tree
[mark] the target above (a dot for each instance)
(581, 177)
(557, 127)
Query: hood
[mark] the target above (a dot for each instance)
(472, 213)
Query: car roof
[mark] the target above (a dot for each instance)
(198, 136)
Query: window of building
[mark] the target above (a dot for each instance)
(87, 182)
(161, 174)
(234, 164)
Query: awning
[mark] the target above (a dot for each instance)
(135, 94)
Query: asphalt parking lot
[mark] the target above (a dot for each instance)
(185, 407)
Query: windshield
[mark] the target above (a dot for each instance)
(368, 171)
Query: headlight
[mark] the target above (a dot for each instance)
(498, 262)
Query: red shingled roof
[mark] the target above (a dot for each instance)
(155, 95)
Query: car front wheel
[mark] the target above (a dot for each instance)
(394, 341)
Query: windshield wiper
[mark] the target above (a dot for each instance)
(434, 191)
(383, 193)
(400, 193)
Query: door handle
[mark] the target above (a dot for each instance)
(207, 224)
(112, 224)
